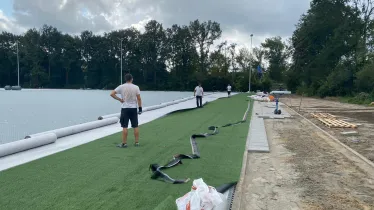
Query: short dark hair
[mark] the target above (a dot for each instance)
(128, 77)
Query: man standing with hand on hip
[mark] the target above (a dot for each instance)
(131, 101)
(199, 93)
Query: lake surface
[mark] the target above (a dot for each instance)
(32, 111)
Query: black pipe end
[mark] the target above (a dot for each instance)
(212, 128)
(223, 188)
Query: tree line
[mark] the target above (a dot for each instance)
(174, 58)
(332, 50)
(329, 54)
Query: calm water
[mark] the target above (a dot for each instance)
(31, 111)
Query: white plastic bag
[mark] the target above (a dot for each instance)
(201, 197)
(183, 203)
(224, 204)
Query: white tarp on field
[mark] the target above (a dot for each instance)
(71, 141)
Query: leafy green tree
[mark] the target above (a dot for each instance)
(153, 52)
(50, 43)
(203, 35)
(329, 46)
(32, 57)
(8, 59)
(182, 56)
(71, 61)
(274, 51)
(365, 78)
(174, 58)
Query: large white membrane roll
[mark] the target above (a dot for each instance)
(167, 103)
(16, 88)
(179, 101)
(109, 116)
(150, 108)
(25, 144)
(61, 132)
(155, 107)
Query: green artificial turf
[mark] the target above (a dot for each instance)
(99, 175)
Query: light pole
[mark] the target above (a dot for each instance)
(121, 57)
(18, 63)
(250, 68)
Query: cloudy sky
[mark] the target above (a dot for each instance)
(238, 18)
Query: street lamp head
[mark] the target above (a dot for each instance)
(251, 35)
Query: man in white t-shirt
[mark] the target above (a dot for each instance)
(131, 101)
(199, 93)
(228, 90)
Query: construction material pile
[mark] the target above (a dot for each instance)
(330, 121)
(261, 96)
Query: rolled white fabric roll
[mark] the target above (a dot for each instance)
(25, 144)
(66, 131)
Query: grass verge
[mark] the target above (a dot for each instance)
(98, 175)
(356, 100)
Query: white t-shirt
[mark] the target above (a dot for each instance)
(199, 91)
(128, 92)
(229, 88)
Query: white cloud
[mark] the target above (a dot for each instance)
(238, 18)
(141, 24)
(8, 24)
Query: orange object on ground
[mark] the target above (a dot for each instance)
(271, 98)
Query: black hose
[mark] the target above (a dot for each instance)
(156, 169)
(223, 188)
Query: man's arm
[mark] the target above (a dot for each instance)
(202, 92)
(113, 94)
(139, 100)
(194, 92)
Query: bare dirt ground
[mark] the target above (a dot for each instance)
(363, 116)
(305, 170)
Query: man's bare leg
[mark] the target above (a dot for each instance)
(136, 134)
(124, 136)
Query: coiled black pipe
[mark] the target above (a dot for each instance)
(156, 169)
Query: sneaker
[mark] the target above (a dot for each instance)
(136, 144)
(122, 145)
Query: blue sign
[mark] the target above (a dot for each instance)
(259, 70)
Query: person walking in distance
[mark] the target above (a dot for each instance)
(228, 90)
(131, 101)
(199, 93)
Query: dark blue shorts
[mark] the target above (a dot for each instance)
(129, 114)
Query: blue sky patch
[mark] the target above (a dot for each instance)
(7, 7)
